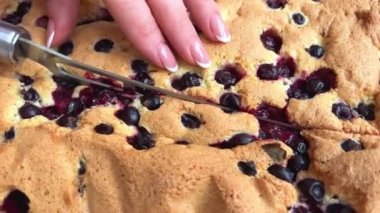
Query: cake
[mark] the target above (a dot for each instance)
(68, 147)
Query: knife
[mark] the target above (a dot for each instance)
(15, 45)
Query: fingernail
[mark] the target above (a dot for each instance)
(167, 58)
(50, 33)
(200, 56)
(219, 29)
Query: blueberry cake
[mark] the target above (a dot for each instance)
(314, 64)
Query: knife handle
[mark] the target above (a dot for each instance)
(10, 51)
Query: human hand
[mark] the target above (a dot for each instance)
(146, 24)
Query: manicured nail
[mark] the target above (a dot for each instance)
(200, 56)
(167, 58)
(219, 29)
(50, 33)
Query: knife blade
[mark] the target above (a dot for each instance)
(52, 59)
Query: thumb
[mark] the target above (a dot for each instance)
(63, 15)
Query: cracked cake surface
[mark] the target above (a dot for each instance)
(68, 147)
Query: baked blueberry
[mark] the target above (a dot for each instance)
(151, 101)
(29, 110)
(16, 17)
(342, 111)
(67, 121)
(66, 48)
(228, 76)
(75, 107)
(276, 4)
(236, 140)
(104, 129)
(188, 80)
(65, 82)
(281, 173)
(50, 112)
(230, 100)
(105, 97)
(339, 208)
(144, 78)
(247, 167)
(316, 51)
(143, 139)
(10, 134)
(366, 111)
(286, 67)
(315, 86)
(351, 145)
(298, 18)
(42, 21)
(311, 189)
(271, 40)
(82, 167)
(190, 121)
(268, 72)
(26, 80)
(298, 162)
(16, 201)
(104, 46)
(139, 66)
(130, 115)
(31, 95)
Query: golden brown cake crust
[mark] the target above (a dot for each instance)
(184, 157)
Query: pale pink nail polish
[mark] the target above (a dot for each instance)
(50, 33)
(219, 29)
(167, 58)
(200, 56)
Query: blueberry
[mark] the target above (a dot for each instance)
(298, 18)
(151, 101)
(129, 115)
(276, 4)
(31, 95)
(143, 139)
(351, 145)
(316, 86)
(82, 167)
(267, 72)
(236, 140)
(298, 162)
(10, 134)
(366, 111)
(342, 111)
(186, 81)
(281, 173)
(16, 17)
(26, 80)
(227, 76)
(104, 129)
(104, 46)
(67, 121)
(42, 21)
(16, 201)
(311, 189)
(50, 112)
(144, 78)
(29, 111)
(190, 121)
(65, 82)
(105, 97)
(271, 40)
(286, 67)
(339, 208)
(66, 48)
(247, 167)
(230, 100)
(182, 142)
(316, 51)
(191, 79)
(139, 66)
(75, 107)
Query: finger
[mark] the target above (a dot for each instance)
(140, 28)
(175, 23)
(63, 17)
(205, 14)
